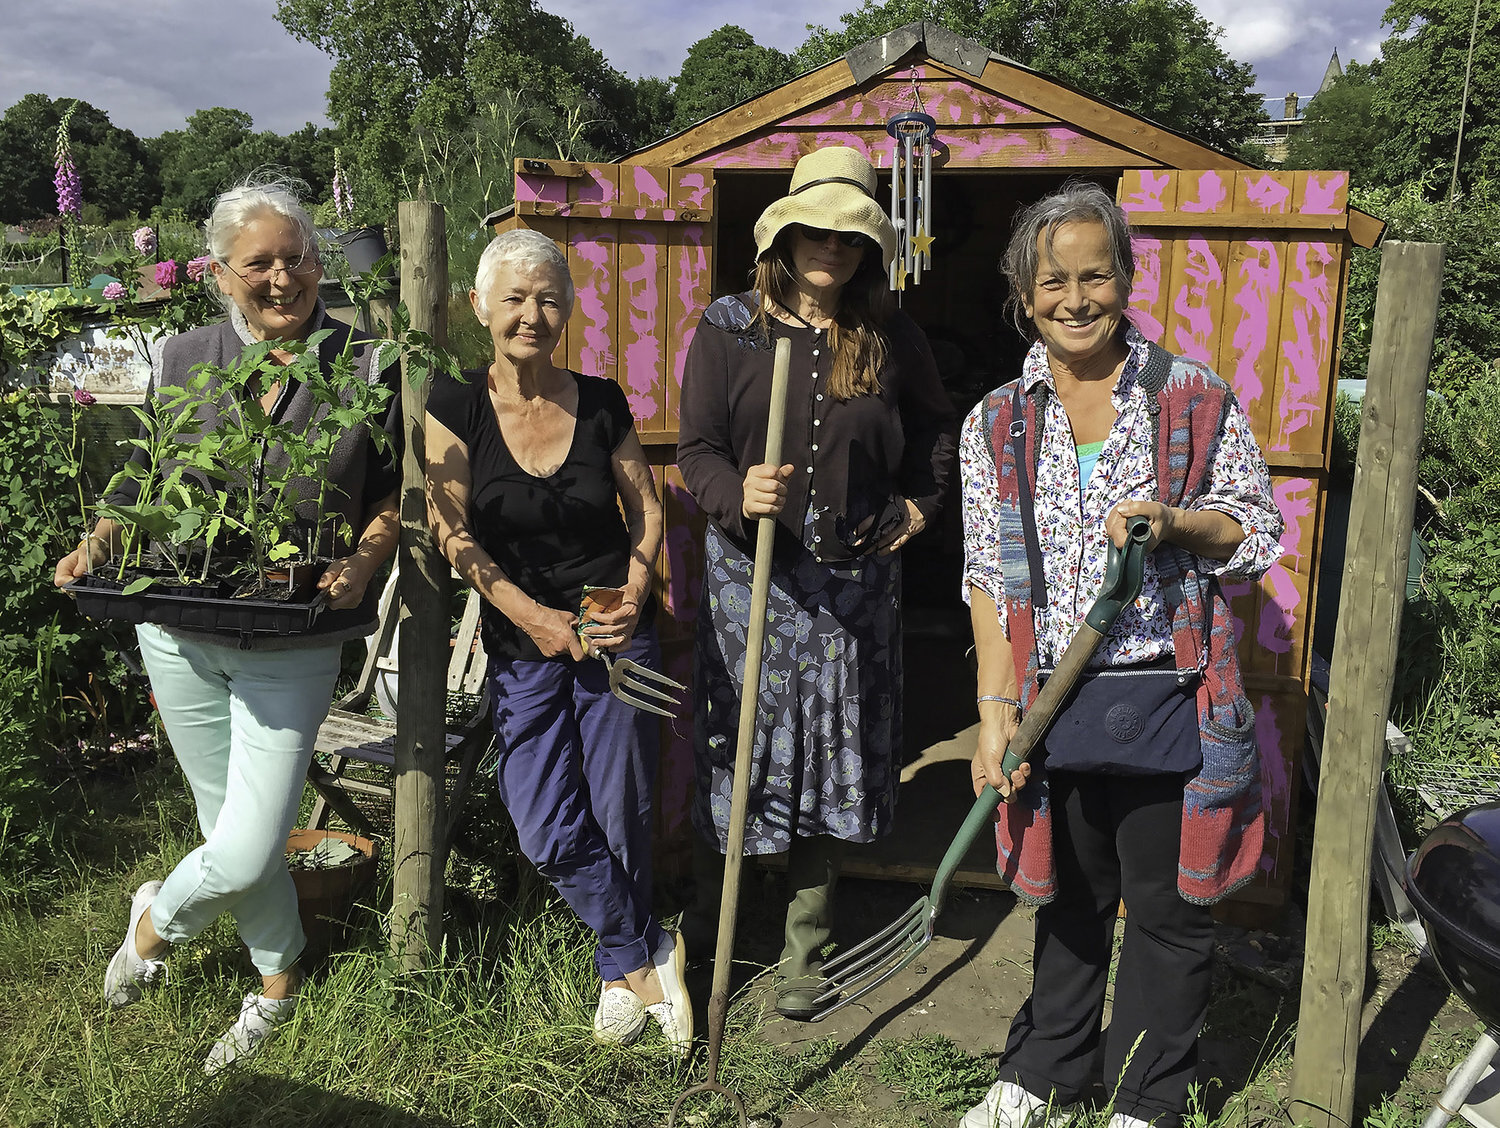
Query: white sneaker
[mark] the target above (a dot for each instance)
(620, 1017)
(259, 1018)
(1120, 1120)
(1007, 1105)
(674, 1014)
(128, 974)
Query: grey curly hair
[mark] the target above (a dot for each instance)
(1077, 201)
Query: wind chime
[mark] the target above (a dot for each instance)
(911, 192)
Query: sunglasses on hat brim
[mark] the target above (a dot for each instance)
(855, 240)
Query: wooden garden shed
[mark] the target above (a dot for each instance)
(1241, 268)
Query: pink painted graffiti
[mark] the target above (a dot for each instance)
(1305, 350)
(1275, 786)
(551, 189)
(1295, 498)
(1148, 197)
(1195, 304)
(691, 286)
(959, 104)
(1258, 293)
(1268, 194)
(1147, 291)
(692, 190)
(596, 188)
(1213, 193)
(648, 189)
(596, 357)
(1325, 196)
(644, 353)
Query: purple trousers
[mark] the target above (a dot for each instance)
(577, 771)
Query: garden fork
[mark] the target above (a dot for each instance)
(638, 686)
(870, 963)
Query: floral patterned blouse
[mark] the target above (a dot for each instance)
(1070, 527)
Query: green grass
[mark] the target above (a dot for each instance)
(498, 1035)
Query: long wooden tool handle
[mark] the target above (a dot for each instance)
(760, 591)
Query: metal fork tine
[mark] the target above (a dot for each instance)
(641, 703)
(901, 926)
(635, 669)
(625, 681)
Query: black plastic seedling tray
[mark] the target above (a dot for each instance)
(101, 597)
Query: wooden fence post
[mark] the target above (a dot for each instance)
(1363, 670)
(417, 912)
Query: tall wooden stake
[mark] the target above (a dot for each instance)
(417, 912)
(1364, 659)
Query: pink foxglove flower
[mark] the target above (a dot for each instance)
(145, 241)
(83, 398)
(166, 274)
(69, 188)
(114, 292)
(197, 269)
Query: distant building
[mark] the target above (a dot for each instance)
(1287, 115)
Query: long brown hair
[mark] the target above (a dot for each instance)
(857, 338)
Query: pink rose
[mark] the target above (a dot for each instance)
(83, 398)
(197, 269)
(114, 292)
(166, 274)
(145, 241)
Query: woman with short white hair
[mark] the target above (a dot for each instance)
(528, 469)
(242, 714)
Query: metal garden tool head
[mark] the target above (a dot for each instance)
(638, 686)
(864, 967)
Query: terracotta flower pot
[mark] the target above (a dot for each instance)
(326, 897)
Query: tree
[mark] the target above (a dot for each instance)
(118, 173)
(1341, 128)
(1158, 58)
(216, 148)
(723, 69)
(406, 68)
(1421, 85)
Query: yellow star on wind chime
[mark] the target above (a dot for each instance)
(911, 191)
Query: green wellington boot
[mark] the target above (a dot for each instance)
(812, 872)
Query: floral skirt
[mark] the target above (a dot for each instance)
(828, 728)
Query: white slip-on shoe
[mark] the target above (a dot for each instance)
(620, 1017)
(128, 974)
(259, 1019)
(674, 1014)
(1120, 1120)
(1007, 1105)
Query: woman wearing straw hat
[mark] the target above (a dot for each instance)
(869, 440)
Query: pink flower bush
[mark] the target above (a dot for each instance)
(145, 241)
(166, 274)
(114, 292)
(197, 269)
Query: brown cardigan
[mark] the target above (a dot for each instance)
(854, 458)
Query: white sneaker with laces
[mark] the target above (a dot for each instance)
(128, 973)
(620, 1017)
(1007, 1105)
(1120, 1120)
(674, 1014)
(259, 1018)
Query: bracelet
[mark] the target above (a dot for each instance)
(997, 697)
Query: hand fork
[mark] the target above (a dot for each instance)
(638, 685)
(870, 963)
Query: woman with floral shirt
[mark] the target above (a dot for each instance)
(1160, 804)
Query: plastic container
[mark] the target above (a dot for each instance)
(103, 597)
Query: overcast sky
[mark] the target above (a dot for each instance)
(150, 63)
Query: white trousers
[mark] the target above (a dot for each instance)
(242, 724)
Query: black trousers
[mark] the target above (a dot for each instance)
(1115, 837)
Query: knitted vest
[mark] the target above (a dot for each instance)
(1222, 829)
(219, 345)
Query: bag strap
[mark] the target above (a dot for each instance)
(1023, 484)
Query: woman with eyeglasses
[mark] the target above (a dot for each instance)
(869, 442)
(242, 714)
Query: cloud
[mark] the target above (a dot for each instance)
(151, 63)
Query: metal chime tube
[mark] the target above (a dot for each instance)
(927, 196)
(906, 203)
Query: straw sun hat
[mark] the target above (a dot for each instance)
(832, 188)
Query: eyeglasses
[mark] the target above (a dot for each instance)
(851, 239)
(258, 272)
